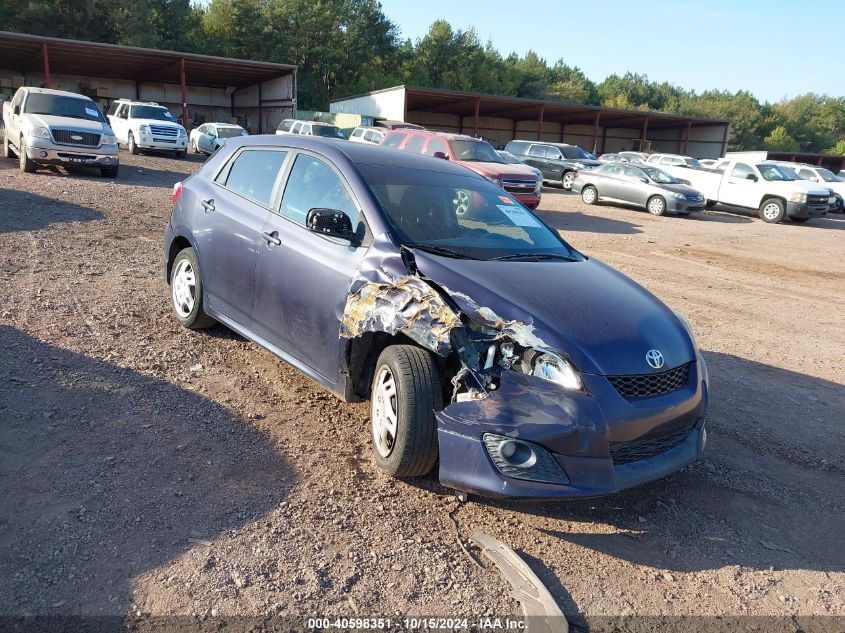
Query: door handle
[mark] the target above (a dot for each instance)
(208, 205)
(272, 238)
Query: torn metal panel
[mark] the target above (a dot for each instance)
(541, 611)
(408, 305)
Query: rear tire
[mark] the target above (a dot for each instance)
(24, 163)
(133, 148)
(186, 291)
(772, 210)
(7, 147)
(656, 205)
(566, 180)
(589, 195)
(406, 392)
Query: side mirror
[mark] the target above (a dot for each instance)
(329, 222)
(685, 182)
(814, 179)
(440, 155)
(644, 179)
(751, 177)
(17, 109)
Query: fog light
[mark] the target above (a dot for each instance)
(108, 160)
(523, 460)
(507, 449)
(43, 154)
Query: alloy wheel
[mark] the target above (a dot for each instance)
(384, 412)
(184, 288)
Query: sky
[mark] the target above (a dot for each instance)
(774, 49)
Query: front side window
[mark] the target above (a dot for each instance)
(573, 152)
(828, 176)
(612, 170)
(253, 174)
(741, 170)
(286, 125)
(415, 144)
(296, 128)
(773, 172)
(460, 216)
(538, 151)
(313, 184)
(357, 133)
(150, 112)
(60, 105)
(436, 145)
(634, 173)
(475, 152)
(659, 176)
(230, 132)
(373, 136)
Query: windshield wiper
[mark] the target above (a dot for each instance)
(535, 257)
(439, 250)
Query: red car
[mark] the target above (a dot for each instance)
(518, 180)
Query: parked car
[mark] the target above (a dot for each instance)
(634, 157)
(612, 158)
(389, 124)
(709, 163)
(825, 178)
(559, 162)
(479, 156)
(209, 137)
(53, 127)
(757, 185)
(676, 160)
(309, 128)
(637, 184)
(146, 125)
(510, 159)
(469, 324)
(365, 134)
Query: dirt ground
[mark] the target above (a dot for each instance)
(150, 470)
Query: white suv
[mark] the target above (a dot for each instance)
(146, 125)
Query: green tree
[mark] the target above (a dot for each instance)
(838, 149)
(571, 84)
(780, 140)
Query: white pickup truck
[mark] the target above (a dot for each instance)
(53, 127)
(755, 185)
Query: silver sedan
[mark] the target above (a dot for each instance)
(644, 186)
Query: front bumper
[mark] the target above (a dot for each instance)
(684, 206)
(530, 200)
(45, 152)
(148, 141)
(577, 430)
(804, 210)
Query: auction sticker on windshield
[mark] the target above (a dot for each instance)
(90, 112)
(519, 216)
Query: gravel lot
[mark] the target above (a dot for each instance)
(150, 470)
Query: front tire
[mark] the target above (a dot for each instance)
(772, 210)
(24, 163)
(133, 148)
(567, 179)
(589, 195)
(656, 205)
(186, 292)
(405, 394)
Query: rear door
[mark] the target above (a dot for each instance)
(536, 157)
(229, 218)
(631, 187)
(606, 180)
(303, 278)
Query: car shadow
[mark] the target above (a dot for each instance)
(766, 494)
(25, 211)
(830, 221)
(581, 222)
(108, 473)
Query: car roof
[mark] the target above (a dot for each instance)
(451, 136)
(223, 124)
(60, 93)
(341, 150)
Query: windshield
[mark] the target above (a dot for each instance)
(230, 132)
(329, 131)
(461, 216)
(773, 172)
(59, 105)
(150, 112)
(475, 152)
(789, 171)
(828, 176)
(573, 151)
(509, 158)
(659, 176)
(692, 162)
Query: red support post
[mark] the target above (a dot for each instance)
(595, 131)
(725, 139)
(260, 110)
(46, 57)
(477, 106)
(540, 123)
(686, 137)
(643, 135)
(184, 84)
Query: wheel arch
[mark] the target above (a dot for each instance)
(179, 243)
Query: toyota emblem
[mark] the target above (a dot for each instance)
(654, 358)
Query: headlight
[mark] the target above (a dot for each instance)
(39, 132)
(108, 139)
(182, 132)
(680, 196)
(143, 129)
(798, 197)
(688, 327)
(553, 368)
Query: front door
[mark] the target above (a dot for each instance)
(230, 216)
(303, 278)
(740, 187)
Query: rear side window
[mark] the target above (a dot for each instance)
(435, 145)
(538, 151)
(394, 139)
(374, 137)
(296, 128)
(415, 144)
(357, 133)
(113, 107)
(253, 173)
(741, 170)
(286, 125)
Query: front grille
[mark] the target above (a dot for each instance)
(694, 197)
(164, 140)
(648, 385)
(66, 137)
(513, 185)
(161, 130)
(643, 448)
(818, 199)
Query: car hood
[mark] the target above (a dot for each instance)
(681, 188)
(601, 320)
(587, 162)
(63, 122)
(500, 170)
(801, 186)
(157, 122)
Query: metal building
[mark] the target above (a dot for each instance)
(500, 119)
(196, 88)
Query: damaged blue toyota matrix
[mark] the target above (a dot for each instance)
(485, 343)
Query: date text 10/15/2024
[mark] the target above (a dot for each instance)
(486, 623)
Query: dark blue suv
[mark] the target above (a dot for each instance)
(479, 335)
